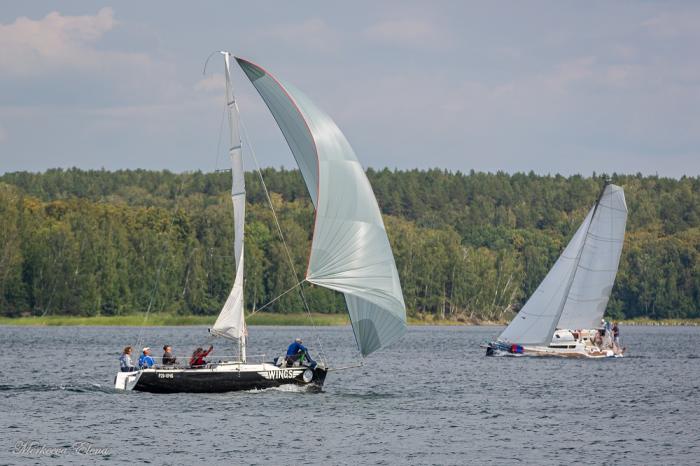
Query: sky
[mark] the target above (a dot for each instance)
(553, 87)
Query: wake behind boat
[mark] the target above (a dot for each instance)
(564, 316)
(350, 251)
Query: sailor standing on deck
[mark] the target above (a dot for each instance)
(608, 335)
(616, 333)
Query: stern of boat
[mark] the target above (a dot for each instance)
(126, 380)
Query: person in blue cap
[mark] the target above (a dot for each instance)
(298, 352)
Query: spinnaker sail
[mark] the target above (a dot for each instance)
(350, 250)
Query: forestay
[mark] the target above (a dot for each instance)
(575, 292)
(534, 324)
(231, 320)
(350, 251)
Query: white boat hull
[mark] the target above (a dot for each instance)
(565, 344)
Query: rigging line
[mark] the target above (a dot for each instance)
(160, 265)
(172, 222)
(352, 366)
(218, 144)
(279, 231)
(321, 352)
(269, 199)
(274, 300)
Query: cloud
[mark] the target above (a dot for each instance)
(3, 135)
(313, 34)
(674, 24)
(407, 32)
(33, 47)
(570, 72)
(211, 83)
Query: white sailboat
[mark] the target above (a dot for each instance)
(350, 251)
(563, 316)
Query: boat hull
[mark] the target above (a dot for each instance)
(219, 378)
(565, 343)
(578, 352)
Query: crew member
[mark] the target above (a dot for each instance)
(197, 359)
(125, 360)
(168, 358)
(146, 360)
(298, 352)
(616, 333)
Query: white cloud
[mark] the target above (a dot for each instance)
(408, 32)
(33, 47)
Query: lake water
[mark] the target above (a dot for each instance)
(431, 399)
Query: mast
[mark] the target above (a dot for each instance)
(237, 190)
(555, 322)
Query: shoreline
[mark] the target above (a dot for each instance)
(296, 319)
(167, 320)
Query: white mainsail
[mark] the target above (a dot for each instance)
(600, 259)
(350, 251)
(575, 292)
(535, 322)
(231, 320)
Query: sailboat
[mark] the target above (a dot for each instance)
(564, 315)
(350, 250)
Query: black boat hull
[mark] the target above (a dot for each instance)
(215, 380)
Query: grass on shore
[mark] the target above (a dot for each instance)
(262, 318)
(660, 322)
(137, 320)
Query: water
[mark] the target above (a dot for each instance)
(432, 399)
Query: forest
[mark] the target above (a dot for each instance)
(468, 246)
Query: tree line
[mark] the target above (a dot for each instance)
(468, 246)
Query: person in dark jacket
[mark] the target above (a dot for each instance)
(168, 358)
(197, 359)
(298, 352)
